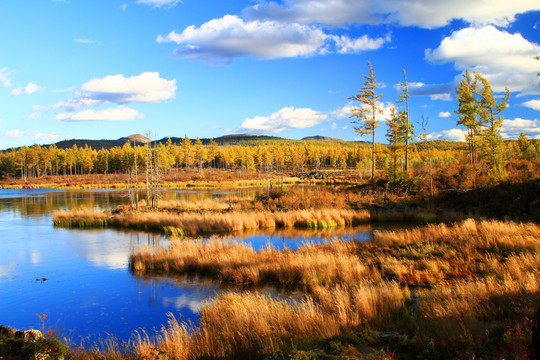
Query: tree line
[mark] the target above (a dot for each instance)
(274, 156)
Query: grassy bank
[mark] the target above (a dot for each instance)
(191, 224)
(175, 179)
(441, 292)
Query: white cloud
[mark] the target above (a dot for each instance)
(346, 111)
(15, 134)
(123, 7)
(112, 114)
(504, 59)
(436, 13)
(512, 128)
(52, 137)
(442, 97)
(341, 112)
(76, 103)
(286, 118)
(423, 13)
(147, 87)
(86, 41)
(159, 3)
(444, 114)
(5, 77)
(27, 90)
(346, 45)
(452, 134)
(34, 115)
(533, 104)
(224, 39)
(335, 12)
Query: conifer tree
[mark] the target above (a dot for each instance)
(406, 125)
(366, 113)
(489, 110)
(393, 136)
(468, 113)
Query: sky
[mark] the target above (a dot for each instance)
(105, 69)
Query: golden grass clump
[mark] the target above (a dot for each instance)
(81, 218)
(471, 232)
(450, 291)
(237, 263)
(189, 223)
(248, 325)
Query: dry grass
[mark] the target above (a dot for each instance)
(252, 325)
(484, 278)
(233, 262)
(194, 223)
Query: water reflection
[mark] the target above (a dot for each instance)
(80, 278)
(292, 239)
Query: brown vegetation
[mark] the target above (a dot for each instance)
(194, 223)
(478, 282)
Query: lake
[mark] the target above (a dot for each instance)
(78, 283)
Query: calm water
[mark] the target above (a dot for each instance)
(80, 279)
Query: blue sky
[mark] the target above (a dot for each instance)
(104, 69)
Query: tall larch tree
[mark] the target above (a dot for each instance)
(489, 110)
(405, 125)
(394, 138)
(366, 113)
(467, 112)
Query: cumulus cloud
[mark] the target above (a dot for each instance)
(159, 3)
(341, 112)
(77, 103)
(111, 114)
(5, 77)
(15, 134)
(451, 134)
(335, 13)
(346, 45)
(346, 111)
(147, 87)
(224, 39)
(26, 90)
(292, 118)
(286, 118)
(512, 128)
(504, 59)
(52, 137)
(444, 114)
(533, 104)
(423, 13)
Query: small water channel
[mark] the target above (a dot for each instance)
(79, 279)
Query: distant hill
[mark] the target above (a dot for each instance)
(138, 138)
(321, 138)
(233, 139)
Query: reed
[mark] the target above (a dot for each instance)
(250, 325)
(81, 218)
(207, 223)
(233, 262)
(479, 280)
